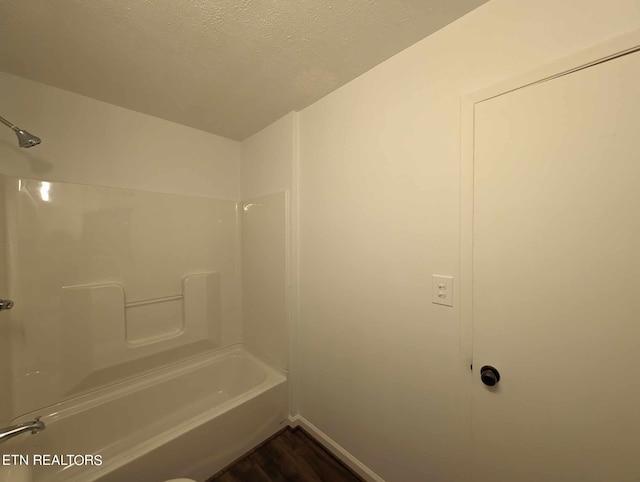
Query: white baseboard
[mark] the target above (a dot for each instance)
(349, 460)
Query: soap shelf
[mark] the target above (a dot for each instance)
(104, 333)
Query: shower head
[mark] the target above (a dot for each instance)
(25, 138)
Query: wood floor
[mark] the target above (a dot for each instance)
(291, 456)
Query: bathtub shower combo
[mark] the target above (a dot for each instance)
(121, 333)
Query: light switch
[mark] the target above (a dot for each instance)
(442, 290)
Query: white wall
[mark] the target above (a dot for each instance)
(267, 159)
(91, 142)
(382, 372)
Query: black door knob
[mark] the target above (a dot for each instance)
(489, 375)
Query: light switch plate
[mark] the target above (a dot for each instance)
(442, 290)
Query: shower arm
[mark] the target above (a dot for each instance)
(11, 126)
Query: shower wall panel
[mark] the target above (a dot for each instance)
(5, 316)
(111, 283)
(265, 290)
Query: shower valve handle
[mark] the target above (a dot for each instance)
(6, 305)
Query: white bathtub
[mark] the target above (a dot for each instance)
(186, 421)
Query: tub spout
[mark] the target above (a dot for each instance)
(33, 426)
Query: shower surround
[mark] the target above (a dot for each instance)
(127, 329)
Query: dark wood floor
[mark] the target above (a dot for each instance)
(291, 456)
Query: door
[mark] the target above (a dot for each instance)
(556, 279)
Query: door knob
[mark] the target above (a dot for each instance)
(489, 375)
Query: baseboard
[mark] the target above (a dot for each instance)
(349, 460)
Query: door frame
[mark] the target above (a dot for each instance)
(608, 50)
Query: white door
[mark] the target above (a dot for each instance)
(556, 279)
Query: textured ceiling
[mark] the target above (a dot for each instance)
(230, 67)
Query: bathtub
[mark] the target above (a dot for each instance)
(189, 420)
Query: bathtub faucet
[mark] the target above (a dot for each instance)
(33, 426)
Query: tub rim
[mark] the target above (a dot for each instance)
(69, 407)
